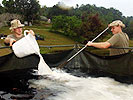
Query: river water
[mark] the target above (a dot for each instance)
(64, 86)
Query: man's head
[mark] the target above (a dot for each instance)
(16, 26)
(116, 26)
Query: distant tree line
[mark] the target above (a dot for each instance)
(83, 22)
(28, 9)
(91, 20)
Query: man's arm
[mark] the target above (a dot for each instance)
(9, 41)
(99, 45)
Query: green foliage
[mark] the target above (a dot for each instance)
(1, 9)
(9, 6)
(28, 8)
(91, 26)
(107, 15)
(72, 23)
(66, 24)
(82, 30)
(56, 11)
(44, 11)
(129, 29)
(58, 22)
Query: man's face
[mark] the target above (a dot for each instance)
(18, 30)
(115, 29)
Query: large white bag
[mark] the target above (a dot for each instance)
(27, 46)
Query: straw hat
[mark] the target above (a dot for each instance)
(116, 23)
(15, 24)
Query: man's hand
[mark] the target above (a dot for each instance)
(12, 41)
(32, 32)
(29, 32)
(89, 43)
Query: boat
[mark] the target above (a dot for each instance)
(119, 67)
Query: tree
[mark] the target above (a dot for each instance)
(9, 6)
(66, 24)
(129, 29)
(1, 9)
(44, 11)
(58, 22)
(91, 26)
(56, 11)
(28, 8)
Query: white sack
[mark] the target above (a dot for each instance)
(27, 46)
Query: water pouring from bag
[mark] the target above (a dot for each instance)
(27, 46)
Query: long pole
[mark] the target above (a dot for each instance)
(63, 64)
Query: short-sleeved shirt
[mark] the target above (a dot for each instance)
(14, 37)
(119, 40)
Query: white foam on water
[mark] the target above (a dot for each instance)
(80, 88)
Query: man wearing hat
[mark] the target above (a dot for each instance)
(119, 39)
(16, 29)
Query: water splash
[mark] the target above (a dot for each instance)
(65, 86)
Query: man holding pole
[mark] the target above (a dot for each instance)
(119, 39)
